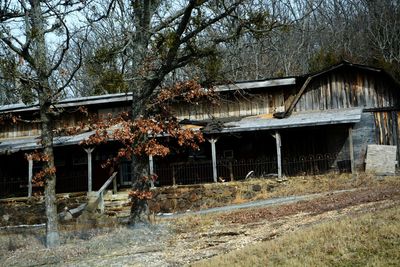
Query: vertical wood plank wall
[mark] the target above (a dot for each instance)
(339, 90)
(237, 105)
(374, 92)
(27, 129)
(387, 128)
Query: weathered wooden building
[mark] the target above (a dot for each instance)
(299, 125)
(283, 126)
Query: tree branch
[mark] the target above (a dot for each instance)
(210, 22)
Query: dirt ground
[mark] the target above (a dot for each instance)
(187, 239)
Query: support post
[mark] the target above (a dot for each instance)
(30, 175)
(214, 158)
(89, 166)
(278, 153)
(151, 170)
(101, 202)
(115, 187)
(231, 171)
(351, 150)
(173, 176)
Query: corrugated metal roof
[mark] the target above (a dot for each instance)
(303, 119)
(71, 102)
(31, 143)
(252, 123)
(256, 84)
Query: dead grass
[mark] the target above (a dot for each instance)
(193, 223)
(301, 185)
(94, 245)
(372, 239)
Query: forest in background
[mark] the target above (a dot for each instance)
(160, 50)
(273, 38)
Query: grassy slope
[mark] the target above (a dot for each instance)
(372, 239)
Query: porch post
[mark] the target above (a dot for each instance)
(278, 153)
(214, 158)
(30, 175)
(351, 150)
(89, 166)
(151, 170)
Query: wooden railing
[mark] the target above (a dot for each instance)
(96, 200)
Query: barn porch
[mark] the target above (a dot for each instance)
(303, 144)
(79, 168)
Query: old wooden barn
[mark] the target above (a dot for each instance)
(307, 124)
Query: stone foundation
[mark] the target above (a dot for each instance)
(196, 197)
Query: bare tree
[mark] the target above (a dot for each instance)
(39, 34)
(151, 43)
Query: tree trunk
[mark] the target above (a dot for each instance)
(141, 183)
(139, 208)
(45, 100)
(52, 235)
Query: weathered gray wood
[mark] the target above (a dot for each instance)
(67, 215)
(115, 187)
(24, 226)
(173, 176)
(289, 110)
(30, 175)
(151, 170)
(351, 150)
(278, 153)
(107, 183)
(151, 165)
(96, 199)
(231, 171)
(256, 84)
(89, 167)
(101, 202)
(214, 158)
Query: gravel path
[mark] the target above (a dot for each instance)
(255, 204)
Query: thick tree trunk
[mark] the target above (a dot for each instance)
(52, 235)
(45, 94)
(139, 208)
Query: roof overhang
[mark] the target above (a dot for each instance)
(256, 84)
(71, 102)
(296, 120)
(9, 146)
(252, 123)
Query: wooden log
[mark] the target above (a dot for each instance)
(24, 226)
(67, 215)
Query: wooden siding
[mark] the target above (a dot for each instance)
(236, 105)
(114, 111)
(349, 89)
(24, 129)
(387, 129)
(363, 135)
(19, 130)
